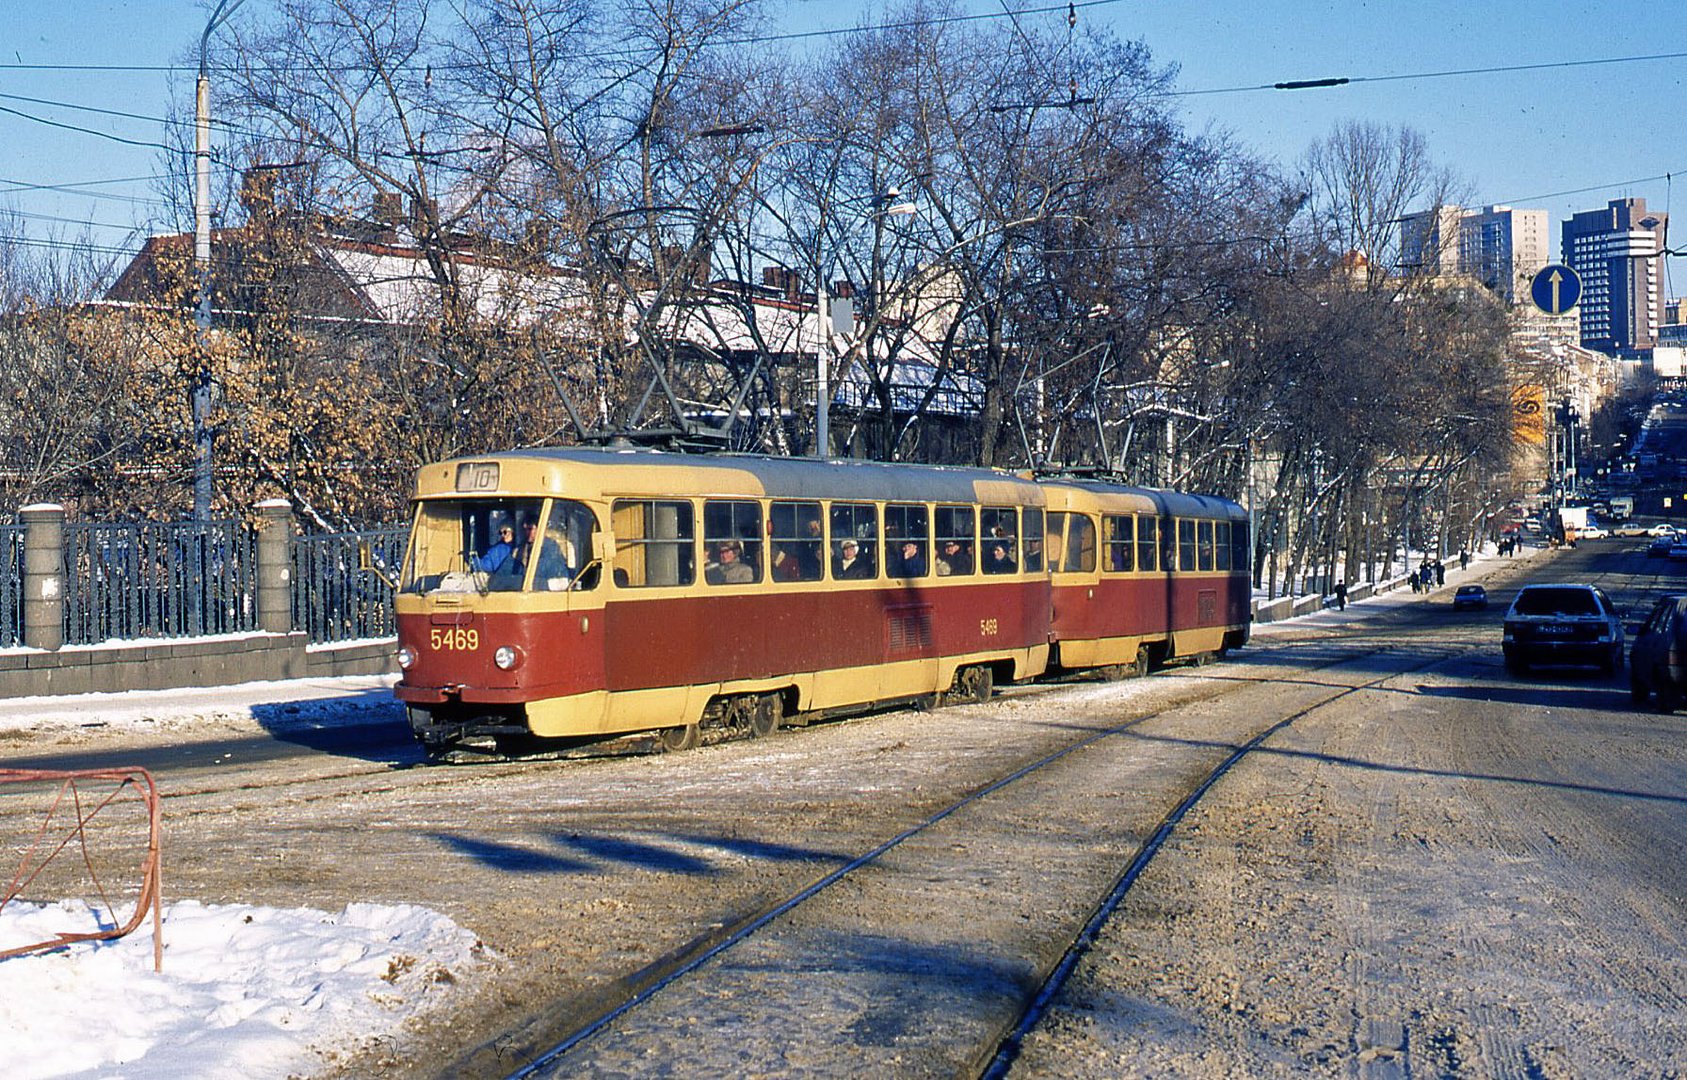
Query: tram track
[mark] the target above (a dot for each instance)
(550, 1042)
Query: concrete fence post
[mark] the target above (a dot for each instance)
(275, 566)
(43, 576)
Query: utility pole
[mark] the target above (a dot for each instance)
(201, 391)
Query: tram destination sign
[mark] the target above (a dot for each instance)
(1555, 288)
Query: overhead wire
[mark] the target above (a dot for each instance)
(734, 42)
(1069, 9)
(1499, 69)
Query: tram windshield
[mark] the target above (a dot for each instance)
(501, 545)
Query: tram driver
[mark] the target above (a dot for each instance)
(498, 553)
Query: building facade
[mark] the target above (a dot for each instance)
(1499, 246)
(1618, 253)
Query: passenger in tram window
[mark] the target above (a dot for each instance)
(729, 567)
(953, 559)
(784, 566)
(498, 553)
(799, 560)
(999, 558)
(913, 560)
(1034, 552)
(811, 551)
(851, 564)
(553, 565)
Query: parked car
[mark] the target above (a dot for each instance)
(1662, 528)
(1470, 598)
(1659, 547)
(1593, 532)
(1562, 624)
(1658, 662)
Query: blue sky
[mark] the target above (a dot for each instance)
(1566, 137)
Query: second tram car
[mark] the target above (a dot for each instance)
(583, 593)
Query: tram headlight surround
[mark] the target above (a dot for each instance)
(507, 657)
(406, 657)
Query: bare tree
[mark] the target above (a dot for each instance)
(1363, 178)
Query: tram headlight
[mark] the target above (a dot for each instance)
(406, 657)
(507, 657)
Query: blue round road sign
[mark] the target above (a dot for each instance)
(1555, 289)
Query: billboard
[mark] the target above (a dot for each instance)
(1528, 414)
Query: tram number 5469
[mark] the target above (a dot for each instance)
(454, 639)
(988, 628)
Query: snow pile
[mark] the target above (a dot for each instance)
(253, 707)
(245, 992)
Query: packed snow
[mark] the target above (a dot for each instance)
(245, 992)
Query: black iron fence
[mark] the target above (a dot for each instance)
(335, 600)
(11, 585)
(150, 580)
(158, 579)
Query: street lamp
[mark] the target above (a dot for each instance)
(200, 392)
(883, 207)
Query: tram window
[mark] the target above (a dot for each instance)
(956, 541)
(1185, 544)
(999, 552)
(1055, 531)
(1241, 551)
(1120, 533)
(1221, 545)
(459, 545)
(1033, 561)
(1073, 552)
(857, 524)
(1080, 543)
(907, 539)
(565, 549)
(798, 541)
(654, 543)
(1147, 544)
(1204, 544)
(732, 541)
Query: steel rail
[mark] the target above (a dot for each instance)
(1007, 1050)
(643, 985)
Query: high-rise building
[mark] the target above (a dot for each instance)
(1503, 248)
(1498, 246)
(1429, 242)
(1618, 253)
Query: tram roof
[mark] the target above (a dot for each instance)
(1173, 503)
(637, 471)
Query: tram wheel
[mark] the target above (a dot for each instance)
(685, 737)
(973, 685)
(1138, 668)
(766, 715)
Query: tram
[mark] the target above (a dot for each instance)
(1142, 576)
(577, 594)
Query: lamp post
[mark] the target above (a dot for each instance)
(200, 392)
(822, 315)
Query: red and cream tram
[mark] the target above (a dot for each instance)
(580, 593)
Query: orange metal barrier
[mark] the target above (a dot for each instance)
(83, 796)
